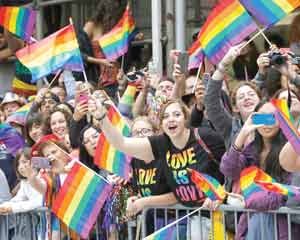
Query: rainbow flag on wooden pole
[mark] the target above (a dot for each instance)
(106, 156)
(80, 199)
(254, 178)
(52, 53)
(18, 20)
(271, 11)
(115, 43)
(227, 25)
(208, 185)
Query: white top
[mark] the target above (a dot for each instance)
(26, 199)
(4, 188)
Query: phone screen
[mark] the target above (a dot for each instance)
(183, 61)
(263, 118)
(40, 162)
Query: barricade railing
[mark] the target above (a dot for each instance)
(210, 225)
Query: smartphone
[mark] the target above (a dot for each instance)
(40, 162)
(183, 61)
(83, 98)
(263, 118)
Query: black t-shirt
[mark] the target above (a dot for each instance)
(149, 178)
(176, 161)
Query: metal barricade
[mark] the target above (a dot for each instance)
(263, 225)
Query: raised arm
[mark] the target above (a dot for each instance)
(289, 159)
(139, 148)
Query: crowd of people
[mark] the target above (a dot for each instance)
(177, 124)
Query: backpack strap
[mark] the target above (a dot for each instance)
(204, 146)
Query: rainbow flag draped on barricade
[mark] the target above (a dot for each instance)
(227, 25)
(11, 138)
(208, 185)
(58, 50)
(106, 156)
(253, 179)
(286, 120)
(18, 20)
(20, 115)
(271, 11)
(80, 199)
(115, 43)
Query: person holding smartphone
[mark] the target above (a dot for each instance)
(258, 143)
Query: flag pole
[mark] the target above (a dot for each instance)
(267, 40)
(54, 78)
(253, 37)
(103, 178)
(173, 223)
(197, 76)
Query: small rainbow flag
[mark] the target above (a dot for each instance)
(271, 11)
(208, 185)
(80, 199)
(18, 20)
(195, 55)
(285, 120)
(127, 100)
(165, 234)
(106, 156)
(20, 115)
(22, 88)
(227, 25)
(56, 51)
(115, 43)
(266, 182)
(247, 184)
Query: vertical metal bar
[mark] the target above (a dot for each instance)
(189, 234)
(155, 219)
(275, 226)
(211, 223)
(177, 230)
(39, 19)
(180, 24)
(235, 221)
(289, 226)
(170, 34)
(156, 35)
(143, 216)
(262, 230)
(201, 232)
(165, 216)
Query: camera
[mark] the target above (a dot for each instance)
(277, 58)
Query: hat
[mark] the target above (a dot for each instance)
(47, 138)
(11, 97)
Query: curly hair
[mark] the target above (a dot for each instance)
(108, 13)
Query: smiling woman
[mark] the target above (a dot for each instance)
(178, 148)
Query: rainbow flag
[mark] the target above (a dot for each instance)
(267, 183)
(22, 88)
(247, 184)
(208, 185)
(165, 234)
(127, 100)
(11, 138)
(227, 25)
(271, 11)
(80, 199)
(285, 120)
(115, 43)
(195, 55)
(52, 53)
(20, 115)
(18, 20)
(106, 156)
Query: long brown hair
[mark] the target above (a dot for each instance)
(238, 86)
(294, 35)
